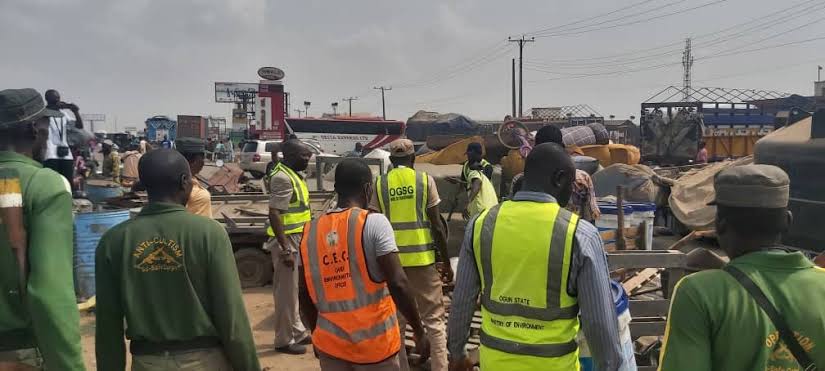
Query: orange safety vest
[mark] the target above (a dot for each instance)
(356, 315)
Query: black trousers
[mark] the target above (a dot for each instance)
(62, 167)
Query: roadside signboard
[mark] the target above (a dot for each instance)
(234, 92)
(271, 73)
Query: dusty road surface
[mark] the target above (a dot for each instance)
(259, 306)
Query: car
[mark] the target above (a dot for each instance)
(256, 154)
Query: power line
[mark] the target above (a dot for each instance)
(647, 19)
(383, 102)
(521, 42)
(349, 100)
(591, 18)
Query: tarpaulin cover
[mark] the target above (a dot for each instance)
(453, 154)
(672, 141)
(423, 124)
(637, 181)
(690, 195)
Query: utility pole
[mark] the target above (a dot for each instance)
(521, 43)
(335, 109)
(350, 99)
(513, 75)
(299, 112)
(687, 63)
(383, 101)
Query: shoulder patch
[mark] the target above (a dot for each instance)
(11, 194)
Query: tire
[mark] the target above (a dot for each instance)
(254, 267)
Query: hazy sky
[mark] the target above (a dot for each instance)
(138, 58)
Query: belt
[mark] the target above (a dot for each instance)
(144, 347)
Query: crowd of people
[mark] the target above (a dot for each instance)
(351, 279)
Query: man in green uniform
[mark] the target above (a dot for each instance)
(111, 161)
(715, 323)
(39, 322)
(171, 275)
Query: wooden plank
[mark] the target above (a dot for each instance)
(636, 282)
(647, 328)
(647, 368)
(649, 308)
(646, 259)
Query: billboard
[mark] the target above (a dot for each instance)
(233, 92)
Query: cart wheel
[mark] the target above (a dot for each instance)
(254, 267)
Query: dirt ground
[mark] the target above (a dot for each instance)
(259, 306)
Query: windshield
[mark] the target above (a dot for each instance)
(250, 147)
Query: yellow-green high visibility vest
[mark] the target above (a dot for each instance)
(465, 171)
(529, 321)
(299, 212)
(402, 195)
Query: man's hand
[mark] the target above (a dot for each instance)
(422, 344)
(461, 363)
(287, 259)
(447, 273)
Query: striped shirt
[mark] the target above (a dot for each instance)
(588, 282)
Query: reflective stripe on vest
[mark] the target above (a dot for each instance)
(402, 198)
(519, 318)
(299, 212)
(356, 316)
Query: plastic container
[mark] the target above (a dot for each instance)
(609, 220)
(622, 302)
(645, 212)
(89, 227)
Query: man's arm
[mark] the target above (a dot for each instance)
(110, 350)
(229, 315)
(50, 291)
(592, 287)
(475, 188)
(78, 119)
(465, 295)
(439, 237)
(280, 194)
(306, 305)
(687, 335)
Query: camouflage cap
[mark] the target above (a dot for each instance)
(23, 105)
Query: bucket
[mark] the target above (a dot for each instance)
(89, 227)
(98, 190)
(621, 302)
(609, 220)
(645, 212)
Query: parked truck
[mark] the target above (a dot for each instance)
(159, 128)
(191, 126)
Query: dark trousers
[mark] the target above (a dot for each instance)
(62, 167)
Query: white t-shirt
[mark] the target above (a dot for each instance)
(59, 136)
(379, 240)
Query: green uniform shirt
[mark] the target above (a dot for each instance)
(714, 324)
(46, 316)
(172, 276)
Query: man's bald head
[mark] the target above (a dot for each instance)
(165, 174)
(549, 169)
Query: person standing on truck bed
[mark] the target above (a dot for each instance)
(289, 210)
(194, 150)
(535, 264)
(409, 199)
(39, 322)
(171, 276)
(352, 280)
(719, 319)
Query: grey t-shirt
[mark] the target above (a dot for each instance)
(379, 240)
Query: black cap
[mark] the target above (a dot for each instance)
(23, 105)
(474, 147)
(188, 145)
